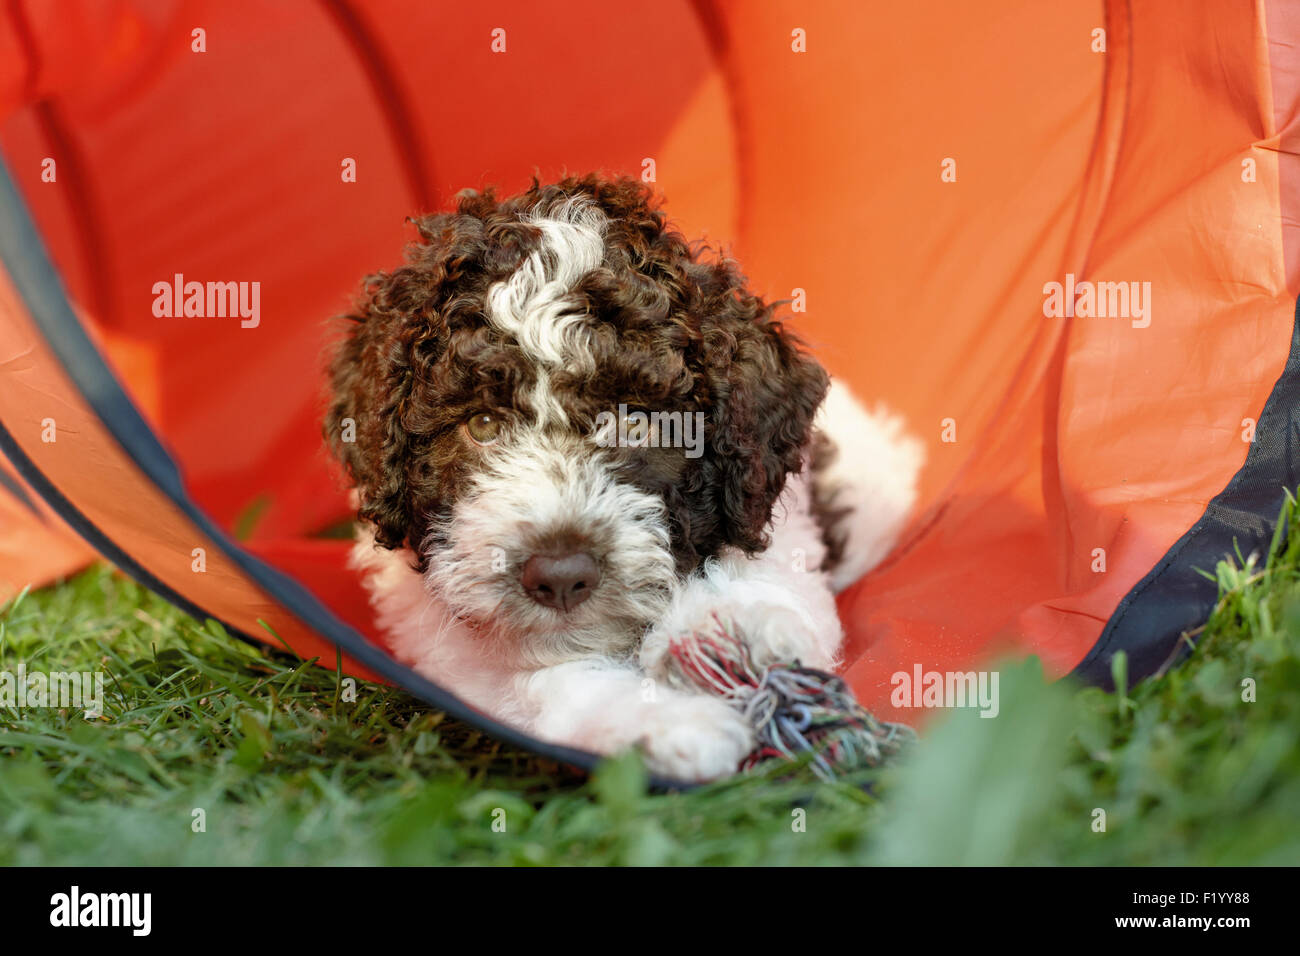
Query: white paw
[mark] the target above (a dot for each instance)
(695, 738)
(779, 634)
(777, 626)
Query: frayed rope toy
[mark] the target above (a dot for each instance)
(794, 710)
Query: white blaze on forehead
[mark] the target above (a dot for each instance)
(532, 304)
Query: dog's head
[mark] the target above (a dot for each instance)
(561, 409)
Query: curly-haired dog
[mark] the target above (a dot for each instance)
(572, 438)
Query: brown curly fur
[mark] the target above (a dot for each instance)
(670, 329)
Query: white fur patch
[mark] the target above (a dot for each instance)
(875, 473)
(533, 305)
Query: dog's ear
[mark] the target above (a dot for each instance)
(766, 390)
(381, 421)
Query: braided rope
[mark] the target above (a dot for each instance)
(794, 710)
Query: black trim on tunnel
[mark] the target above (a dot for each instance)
(1173, 598)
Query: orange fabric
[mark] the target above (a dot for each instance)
(823, 171)
(116, 498)
(1111, 437)
(35, 546)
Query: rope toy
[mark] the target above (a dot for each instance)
(794, 710)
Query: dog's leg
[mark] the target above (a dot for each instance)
(867, 480)
(779, 602)
(604, 706)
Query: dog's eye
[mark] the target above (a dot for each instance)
(641, 430)
(483, 428)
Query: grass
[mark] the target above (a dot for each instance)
(258, 749)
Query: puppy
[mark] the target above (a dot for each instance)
(574, 437)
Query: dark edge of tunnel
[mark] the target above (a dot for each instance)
(1173, 599)
(15, 488)
(41, 291)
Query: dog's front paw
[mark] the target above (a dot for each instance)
(777, 627)
(694, 739)
(776, 633)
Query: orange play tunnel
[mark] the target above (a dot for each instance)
(1062, 239)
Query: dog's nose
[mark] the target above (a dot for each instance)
(560, 581)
